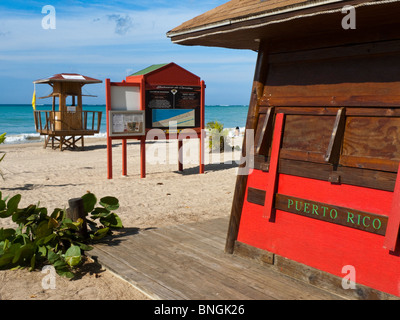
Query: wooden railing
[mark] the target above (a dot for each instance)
(67, 123)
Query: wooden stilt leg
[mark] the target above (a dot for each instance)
(46, 141)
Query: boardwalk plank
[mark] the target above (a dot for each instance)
(269, 282)
(188, 262)
(183, 271)
(207, 272)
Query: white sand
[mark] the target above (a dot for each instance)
(163, 198)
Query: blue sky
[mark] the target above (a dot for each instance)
(111, 39)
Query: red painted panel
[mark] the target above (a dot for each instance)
(323, 245)
(392, 233)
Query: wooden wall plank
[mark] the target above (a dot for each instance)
(260, 77)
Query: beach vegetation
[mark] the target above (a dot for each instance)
(42, 238)
(2, 139)
(217, 136)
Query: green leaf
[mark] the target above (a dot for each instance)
(4, 214)
(49, 238)
(110, 203)
(9, 254)
(73, 256)
(12, 204)
(42, 251)
(43, 230)
(89, 201)
(100, 212)
(6, 259)
(2, 204)
(53, 223)
(99, 234)
(68, 223)
(2, 137)
(112, 221)
(53, 257)
(33, 262)
(58, 214)
(63, 271)
(83, 246)
(6, 234)
(24, 252)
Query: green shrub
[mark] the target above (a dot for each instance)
(54, 239)
(217, 136)
(2, 139)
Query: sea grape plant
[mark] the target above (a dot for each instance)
(54, 239)
(218, 136)
(2, 139)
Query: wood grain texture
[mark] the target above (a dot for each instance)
(187, 262)
(260, 76)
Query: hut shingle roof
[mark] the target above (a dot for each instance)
(242, 24)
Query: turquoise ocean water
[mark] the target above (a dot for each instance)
(18, 121)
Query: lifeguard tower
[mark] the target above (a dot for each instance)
(65, 127)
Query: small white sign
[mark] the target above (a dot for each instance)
(72, 77)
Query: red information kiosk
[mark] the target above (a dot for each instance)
(164, 98)
(322, 202)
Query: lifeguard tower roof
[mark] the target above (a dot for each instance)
(68, 77)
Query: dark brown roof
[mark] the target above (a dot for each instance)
(237, 9)
(241, 24)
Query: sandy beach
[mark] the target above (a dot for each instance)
(164, 197)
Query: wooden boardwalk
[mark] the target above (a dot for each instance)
(187, 262)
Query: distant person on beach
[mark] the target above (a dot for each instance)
(237, 131)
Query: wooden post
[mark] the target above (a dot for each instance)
(143, 157)
(143, 139)
(124, 158)
(109, 140)
(180, 155)
(202, 119)
(76, 212)
(53, 107)
(260, 77)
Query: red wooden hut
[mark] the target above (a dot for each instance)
(324, 195)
